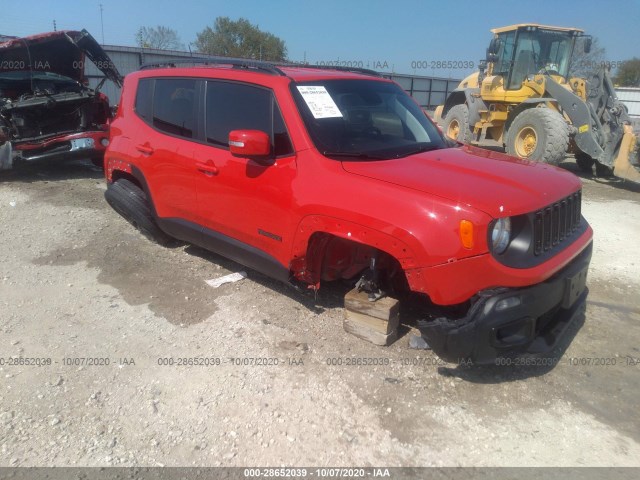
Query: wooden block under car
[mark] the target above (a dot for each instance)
(377, 322)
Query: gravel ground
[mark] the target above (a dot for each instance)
(77, 281)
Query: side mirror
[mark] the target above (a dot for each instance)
(249, 143)
(587, 44)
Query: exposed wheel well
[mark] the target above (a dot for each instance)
(330, 257)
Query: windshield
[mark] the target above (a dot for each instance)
(364, 119)
(541, 51)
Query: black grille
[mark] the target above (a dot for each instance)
(553, 224)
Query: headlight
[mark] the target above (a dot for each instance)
(500, 235)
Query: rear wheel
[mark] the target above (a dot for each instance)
(130, 201)
(456, 123)
(584, 162)
(538, 134)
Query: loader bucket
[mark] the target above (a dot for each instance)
(622, 167)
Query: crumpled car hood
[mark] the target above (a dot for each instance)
(60, 52)
(492, 182)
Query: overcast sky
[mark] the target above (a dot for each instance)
(372, 32)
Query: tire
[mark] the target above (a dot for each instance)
(584, 162)
(456, 124)
(130, 201)
(603, 171)
(538, 134)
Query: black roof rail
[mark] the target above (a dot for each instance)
(249, 64)
(364, 71)
(241, 63)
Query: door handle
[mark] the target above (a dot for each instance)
(144, 149)
(208, 168)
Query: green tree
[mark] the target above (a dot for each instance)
(584, 65)
(158, 37)
(240, 39)
(628, 73)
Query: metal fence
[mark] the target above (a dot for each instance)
(429, 92)
(631, 98)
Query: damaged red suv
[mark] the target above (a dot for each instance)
(311, 174)
(46, 110)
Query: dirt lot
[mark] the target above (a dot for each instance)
(77, 281)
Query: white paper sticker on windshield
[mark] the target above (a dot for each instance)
(319, 102)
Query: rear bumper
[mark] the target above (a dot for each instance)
(508, 322)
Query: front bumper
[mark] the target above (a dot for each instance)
(508, 322)
(82, 145)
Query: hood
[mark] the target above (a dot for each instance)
(60, 52)
(492, 182)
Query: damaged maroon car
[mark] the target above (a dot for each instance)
(47, 111)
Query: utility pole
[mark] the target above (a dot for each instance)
(102, 24)
(54, 26)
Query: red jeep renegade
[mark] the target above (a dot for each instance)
(310, 174)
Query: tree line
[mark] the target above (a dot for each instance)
(227, 38)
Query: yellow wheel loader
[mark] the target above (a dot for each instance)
(522, 99)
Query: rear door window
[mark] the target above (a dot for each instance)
(174, 106)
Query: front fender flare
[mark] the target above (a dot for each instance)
(347, 230)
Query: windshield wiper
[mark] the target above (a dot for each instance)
(356, 155)
(424, 148)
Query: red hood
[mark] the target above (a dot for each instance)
(61, 52)
(495, 183)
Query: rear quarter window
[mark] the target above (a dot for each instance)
(144, 97)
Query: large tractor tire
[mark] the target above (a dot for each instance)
(539, 134)
(456, 124)
(584, 162)
(130, 201)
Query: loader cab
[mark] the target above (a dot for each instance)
(519, 51)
